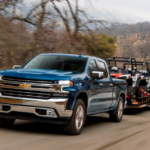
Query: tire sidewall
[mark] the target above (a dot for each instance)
(117, 111)
(78, 103)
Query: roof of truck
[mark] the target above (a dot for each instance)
(71, 55)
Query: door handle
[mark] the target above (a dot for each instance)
(101, 84)
(111, 84)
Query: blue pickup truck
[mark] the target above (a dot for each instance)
(61, 89)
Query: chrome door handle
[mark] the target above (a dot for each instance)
(101, 84)
(111, 84)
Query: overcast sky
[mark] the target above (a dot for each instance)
(138, 8)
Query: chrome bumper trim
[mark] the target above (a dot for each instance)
(25, 109)
(58, 104)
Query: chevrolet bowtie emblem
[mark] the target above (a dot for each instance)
(24, 85)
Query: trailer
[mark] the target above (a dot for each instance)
(137, 75)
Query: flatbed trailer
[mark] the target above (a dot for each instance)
(139, 102)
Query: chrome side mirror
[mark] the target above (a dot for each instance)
(16, 66)
(97, 75)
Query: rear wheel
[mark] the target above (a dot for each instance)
(76, 122)
(6, 122)
(117, 114)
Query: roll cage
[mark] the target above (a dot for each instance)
(131, 62)
(141, 67)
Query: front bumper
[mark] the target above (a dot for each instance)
(51, 108)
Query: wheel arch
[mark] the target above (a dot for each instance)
(123, 95)
(82, 95)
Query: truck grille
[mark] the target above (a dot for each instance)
(27, 80)
(26, 93)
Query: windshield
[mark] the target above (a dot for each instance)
(64, 63)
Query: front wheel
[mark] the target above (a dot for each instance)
(117, 114)
(6, 122)
(76, 122)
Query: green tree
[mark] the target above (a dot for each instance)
(100, 45)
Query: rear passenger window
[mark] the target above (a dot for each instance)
(92, 67)
(101, 67)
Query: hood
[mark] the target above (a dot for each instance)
(38, 74)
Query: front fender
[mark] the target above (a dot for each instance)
(77, 94)
(75, 90)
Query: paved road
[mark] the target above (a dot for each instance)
(99, 133)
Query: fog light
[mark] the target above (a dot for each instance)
(46, 112)
(41, 111)
(50, 113)
(6, 108)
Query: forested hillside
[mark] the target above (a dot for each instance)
(133, 40)
(49, 27)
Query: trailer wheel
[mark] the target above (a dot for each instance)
(76, 122)
(6, 122)
(117, 114)
(130, 94)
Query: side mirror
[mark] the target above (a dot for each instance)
(97, 75)
(16, 66)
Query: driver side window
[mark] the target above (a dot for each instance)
(92, 67)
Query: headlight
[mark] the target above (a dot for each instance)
(64, 82)
(1, 77)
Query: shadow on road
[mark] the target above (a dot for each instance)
(43, 128)
(92, 120)
(36, 127)
(135, 111)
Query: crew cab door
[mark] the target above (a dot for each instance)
(96, 90)
(106, 86)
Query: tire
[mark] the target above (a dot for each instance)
(6, 122)
(117, 114)
(72, 127)
(130, 94)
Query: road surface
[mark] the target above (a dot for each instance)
(99, 133)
